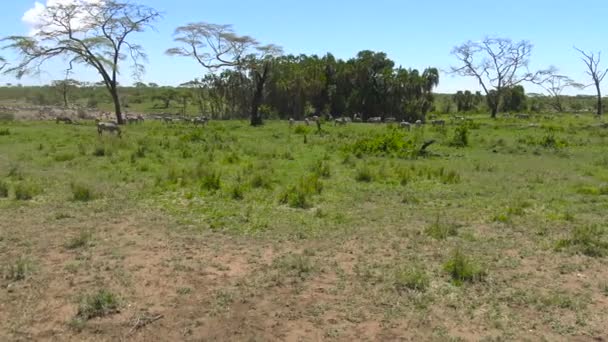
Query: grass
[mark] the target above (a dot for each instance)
(98, 304)
(462, 268)
(350, 228)
(3, 189)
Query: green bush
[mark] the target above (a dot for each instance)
(462, 269)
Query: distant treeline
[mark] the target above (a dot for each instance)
(299, 86)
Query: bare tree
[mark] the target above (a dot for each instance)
(94, 34)
(555, 84)
(497, 63)
(217, 46)
(3, 63)
(597, 75)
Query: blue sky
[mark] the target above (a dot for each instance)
(415, 34)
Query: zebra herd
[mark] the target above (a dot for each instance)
(113, 127)
(375, 119)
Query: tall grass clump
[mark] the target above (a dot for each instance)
(322, 169)
(4, 131)
(364, 174)
(98, 304)
(3, 189)
(586, 239)
(460, 138)
(299, 195)
(25, 191)
(82, 192)
(462, 269)
(411, 278)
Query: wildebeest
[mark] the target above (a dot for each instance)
(64, 119)
(375, 119)
(109, 127)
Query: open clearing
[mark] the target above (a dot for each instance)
(229, 232)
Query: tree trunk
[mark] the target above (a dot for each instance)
(600, 110)
(494, 111)
(256, 118)
(117, 109)
(65, 96)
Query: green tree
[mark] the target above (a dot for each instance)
(95, 34)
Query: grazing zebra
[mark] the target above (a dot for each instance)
(405, 125)
(340, 121)
(307, 122)
(418, 123)
(201, 120)
(109, 127)
(375, 119)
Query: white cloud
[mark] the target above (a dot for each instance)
(33, 16)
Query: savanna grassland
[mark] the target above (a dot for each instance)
(497, 231)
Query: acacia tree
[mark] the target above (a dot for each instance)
(597, 75)
(92, 33)
(555, 84)
(497, 63)
(217, 47)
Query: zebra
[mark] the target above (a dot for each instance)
(109, 127)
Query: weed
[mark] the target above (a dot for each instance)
(98, 304)
(321, 168)
(210, 180)
(364, 174)
(25, 191)
(460, 138)
(82, 192)
(462, 269)
(237, 191)
(83, 240)
(297, 265)
(3, 189)
(259, 180)
(298, 196)
(441, 231)
(18, 270)
(586, 239)
(411, 278)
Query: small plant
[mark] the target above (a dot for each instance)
(588, 240)
(460, 137)
(83, 240)
(411, 278)
(321, 168)
(99, 304)
(295, 265)
(259, 180)
(298, 196)
(462, 269)
(364, 174)
(210, 180)
(237, 191)
(3, 189)
(99, 151)
(82, 192)
(25, 191)
(18, 270)
(441, 231)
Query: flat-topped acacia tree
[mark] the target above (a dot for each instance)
(95, 34)
(217, 47)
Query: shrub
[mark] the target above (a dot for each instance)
(411, 279)
(588, 240)
(25, 191)
(460, 137)
(4, 131)
(81, 192)
(364, 174)
(462, 269)
(99, 304)
(3, 189)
